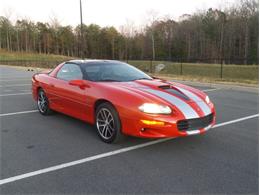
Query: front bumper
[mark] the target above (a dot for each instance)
(167, 127)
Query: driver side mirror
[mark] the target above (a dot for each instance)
(80, 83)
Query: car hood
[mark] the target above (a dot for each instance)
(190, 101)
(184, 92)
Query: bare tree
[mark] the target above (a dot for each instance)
(247, 9)
(152, 17)
(128, 30)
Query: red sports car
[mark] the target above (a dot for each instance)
(122, 100)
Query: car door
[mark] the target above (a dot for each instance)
(70, 99)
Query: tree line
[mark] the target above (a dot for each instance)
(230, 34)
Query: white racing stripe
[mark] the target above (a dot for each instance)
(203, 106)
(103, 155)
(185, 108)
(194, 132)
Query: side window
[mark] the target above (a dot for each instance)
(92, 72)
(70, 72)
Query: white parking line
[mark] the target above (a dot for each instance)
(103, 155)
(236, 120)
(15, 113)
(8, 90)
(15, 85)
(10, 76)
(13, 94)
(208, 90)
(21, 79)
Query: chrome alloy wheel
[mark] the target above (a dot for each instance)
(42, 102)
(105, 123)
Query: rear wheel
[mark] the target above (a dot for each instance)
(108, 123)
(43, 103)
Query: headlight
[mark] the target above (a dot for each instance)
(207, 99)
(155, 109)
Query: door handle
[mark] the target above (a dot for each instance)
(51, 85)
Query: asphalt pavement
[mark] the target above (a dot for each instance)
(57, 154)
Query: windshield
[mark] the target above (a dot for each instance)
(113, 72)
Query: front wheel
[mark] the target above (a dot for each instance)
(43, 103)
(108, 123)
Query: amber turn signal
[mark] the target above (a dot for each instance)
(147, 122)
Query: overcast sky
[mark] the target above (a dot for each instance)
(103, 12)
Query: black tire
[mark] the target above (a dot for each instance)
(43, 108)
(113, 129)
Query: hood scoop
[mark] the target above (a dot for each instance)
(164, 87)
(177, 93)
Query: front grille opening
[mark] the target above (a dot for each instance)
(195, 124)
(183, 125)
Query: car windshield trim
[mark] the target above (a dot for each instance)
(108, 80)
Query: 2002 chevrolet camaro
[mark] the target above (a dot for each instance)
(122, 100)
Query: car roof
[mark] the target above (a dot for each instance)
(90, 61)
